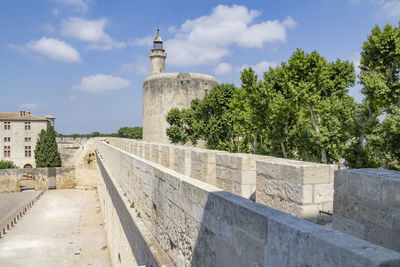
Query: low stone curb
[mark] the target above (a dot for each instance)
(16, 216)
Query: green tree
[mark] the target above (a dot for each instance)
(95, 134)
(320, 92)
(377, 140)
(46, 151)
(210, 119)
(130, 132)
(7, 164)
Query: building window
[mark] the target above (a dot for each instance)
(28, 151)
(7, 151)
(27, 139)
(7, 125)
(7, 139)
(27, 125)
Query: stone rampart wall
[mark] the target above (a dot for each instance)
(197, 224)
(10, 179)
(367, 205)
(300, 188)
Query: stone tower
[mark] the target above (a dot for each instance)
(164, 91)
(157, 55)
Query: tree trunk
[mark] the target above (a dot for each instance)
(316, 129)
(284, 150)
(255, 143)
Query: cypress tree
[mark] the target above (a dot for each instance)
(46, 152)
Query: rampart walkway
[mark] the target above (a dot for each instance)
(10, 214)
(64, 228)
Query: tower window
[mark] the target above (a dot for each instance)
(28, 151)
(7, 139)
(157, 45)
(28, 139)
(27, 125)
(7, 151)
(7, 125)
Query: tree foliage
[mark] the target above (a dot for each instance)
(377, 139)
(302, 109)
(46, 151)
(130, 132)
(123, 132)
(7, 164)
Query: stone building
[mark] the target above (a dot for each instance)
(18, 136)
(164, 91)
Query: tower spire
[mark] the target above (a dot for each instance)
(158, 55)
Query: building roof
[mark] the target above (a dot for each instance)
(20, 116)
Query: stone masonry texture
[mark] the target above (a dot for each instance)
(162, 92)
(367, 205)
(302, 189)
(198, 224)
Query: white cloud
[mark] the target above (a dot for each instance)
(101, 82)
(137, 67)
(391, 9)
(222, 68)
(51, 48)
(205, 40)
(260, 67)
(55, 12)
(144, 41)
(48, 28)
(91, 31)
(172, 29)
(79, 5)
(356, 61)
(140, 65)
(29, 106)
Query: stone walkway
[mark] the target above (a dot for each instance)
(10, 203)
(64, 228)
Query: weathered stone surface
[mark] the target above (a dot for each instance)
(198, 224)
(349, 226)
(323, 193)
(391, 192)
(366, 206)
(345, 205)
(165, 91)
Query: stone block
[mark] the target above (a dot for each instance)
(310, 213)
(294, 192)
(345, 205)
(252, 247)
(292, 173)
(375, 213)
(348, 226)
(391, 192)
(268, 170)
(248, 177)
(288, 253)
(251, 222)
(317, 174)
(323, 193)
(307, 194)
(378, 235)
(363, 183)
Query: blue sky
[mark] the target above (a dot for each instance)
(84, 61)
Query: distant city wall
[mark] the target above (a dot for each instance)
(367, 205)
(197, 224)
(38, 178)
(303, 189)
